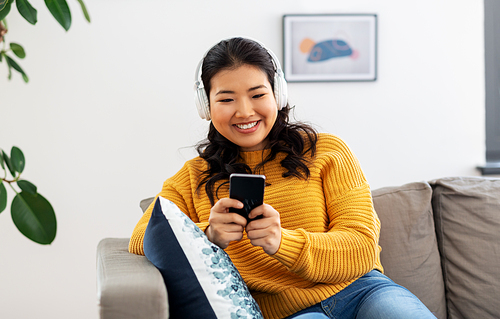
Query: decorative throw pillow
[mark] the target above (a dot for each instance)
(201, 280)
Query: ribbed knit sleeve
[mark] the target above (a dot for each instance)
(180, 190)
(349, 248)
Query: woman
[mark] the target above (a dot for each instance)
(313, 252)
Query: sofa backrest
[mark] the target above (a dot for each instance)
(410, 253)
(441, 240)
(467, 217)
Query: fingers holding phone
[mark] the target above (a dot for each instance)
(225, 227)
(265, 232)
(263, 222)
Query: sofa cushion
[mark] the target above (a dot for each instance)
(467, 215)
(201, 280)
(410, 254)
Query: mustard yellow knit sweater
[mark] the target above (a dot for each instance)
(330, 230)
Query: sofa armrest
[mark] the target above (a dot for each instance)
(128, 285)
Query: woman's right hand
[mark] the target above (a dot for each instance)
(225, 227)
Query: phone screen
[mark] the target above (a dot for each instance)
(248, 189)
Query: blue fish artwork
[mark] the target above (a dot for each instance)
(326, 50)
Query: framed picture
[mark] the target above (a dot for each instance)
(330, 47)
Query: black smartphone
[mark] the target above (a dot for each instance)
(248, 189)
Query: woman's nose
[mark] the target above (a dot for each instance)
(244, 109)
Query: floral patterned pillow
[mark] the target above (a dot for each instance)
(201, 280)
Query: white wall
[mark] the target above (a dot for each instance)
(109, 110)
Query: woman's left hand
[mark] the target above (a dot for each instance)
(265, 232)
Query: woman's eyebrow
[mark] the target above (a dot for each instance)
(224, 92)
(262, 86)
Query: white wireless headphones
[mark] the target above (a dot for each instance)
(280, 87)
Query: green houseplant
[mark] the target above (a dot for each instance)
(59, 10)
(32, 214)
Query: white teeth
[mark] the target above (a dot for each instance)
(246, 126)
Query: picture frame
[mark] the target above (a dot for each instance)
(330, 47)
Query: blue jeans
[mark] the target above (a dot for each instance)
(373, 296)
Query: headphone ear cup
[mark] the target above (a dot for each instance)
(280, 89)
(202, 105)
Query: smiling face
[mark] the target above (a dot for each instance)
(242, 106)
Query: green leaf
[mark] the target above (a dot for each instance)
(18, 50)
(9, 165)
(60, 11)
(5, 8)
(3, 4)
(26, 186)
(3, 197)
(17, 159)
(1, 159)
(34, 217)
(84, 9)
(16, 67)
(10, 71)
(26, 10)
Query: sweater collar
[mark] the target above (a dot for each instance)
(255, 157)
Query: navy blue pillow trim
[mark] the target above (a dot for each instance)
(184, 290)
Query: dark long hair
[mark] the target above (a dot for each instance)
(222, 155)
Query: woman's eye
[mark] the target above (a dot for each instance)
(226, 100)
(258, 96)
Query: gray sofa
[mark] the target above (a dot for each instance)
(440, 239)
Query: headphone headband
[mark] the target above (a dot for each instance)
(280, 87)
